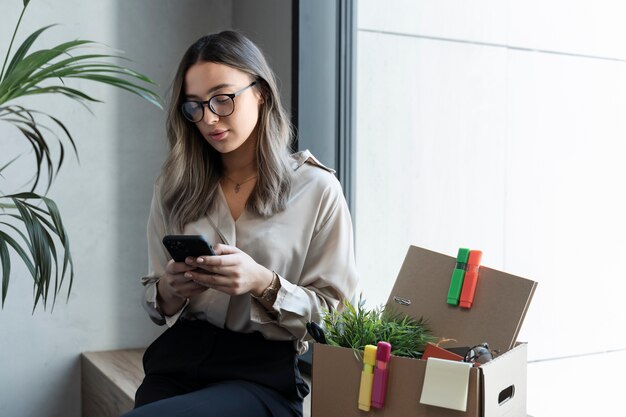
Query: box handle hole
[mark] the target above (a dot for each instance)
(506, 394)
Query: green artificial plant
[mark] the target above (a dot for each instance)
(30, 222)
(356, 326)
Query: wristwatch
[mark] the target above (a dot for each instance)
(269, 294)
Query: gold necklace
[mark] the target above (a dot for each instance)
(238, 184)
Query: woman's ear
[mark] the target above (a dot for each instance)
(262, 93)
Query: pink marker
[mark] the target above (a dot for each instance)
(379, 389)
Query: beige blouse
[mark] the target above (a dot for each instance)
(309, 245)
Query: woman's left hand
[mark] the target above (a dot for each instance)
(231, 271)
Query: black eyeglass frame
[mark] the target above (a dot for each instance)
(480, 354)
(207, 103)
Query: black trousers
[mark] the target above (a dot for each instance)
(197, 369)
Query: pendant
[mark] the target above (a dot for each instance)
(237, 188)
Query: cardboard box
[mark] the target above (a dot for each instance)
(496, 389)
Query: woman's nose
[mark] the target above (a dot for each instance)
(209, 118)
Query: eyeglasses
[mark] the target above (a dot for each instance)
(221, 105)
(480, 354)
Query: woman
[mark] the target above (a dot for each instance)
(282, 237)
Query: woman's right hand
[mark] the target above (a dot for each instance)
(174, 288)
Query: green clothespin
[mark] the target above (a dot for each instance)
(456, 283)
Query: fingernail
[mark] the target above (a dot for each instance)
(200, 260)
(188, 275)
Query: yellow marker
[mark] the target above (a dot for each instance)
(367, 377)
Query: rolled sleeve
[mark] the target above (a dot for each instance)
(328, 275)
(151, 304)
(158, 258)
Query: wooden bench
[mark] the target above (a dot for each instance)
(110, 379)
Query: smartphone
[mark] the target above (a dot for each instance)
(182, 246)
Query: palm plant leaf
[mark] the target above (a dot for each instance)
(23, 49)
(13, 38)
(30, 223)
(44, 228)
(25, 120)
(26, 73)
(40, 254)
(6, 268)
(2, 168)
(57, 227)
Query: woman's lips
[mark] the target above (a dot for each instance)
(218, 135)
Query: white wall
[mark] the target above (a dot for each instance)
(104, 201)
(499, 125)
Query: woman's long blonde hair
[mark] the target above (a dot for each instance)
(193, 169)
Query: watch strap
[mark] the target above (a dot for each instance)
(269, 294)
